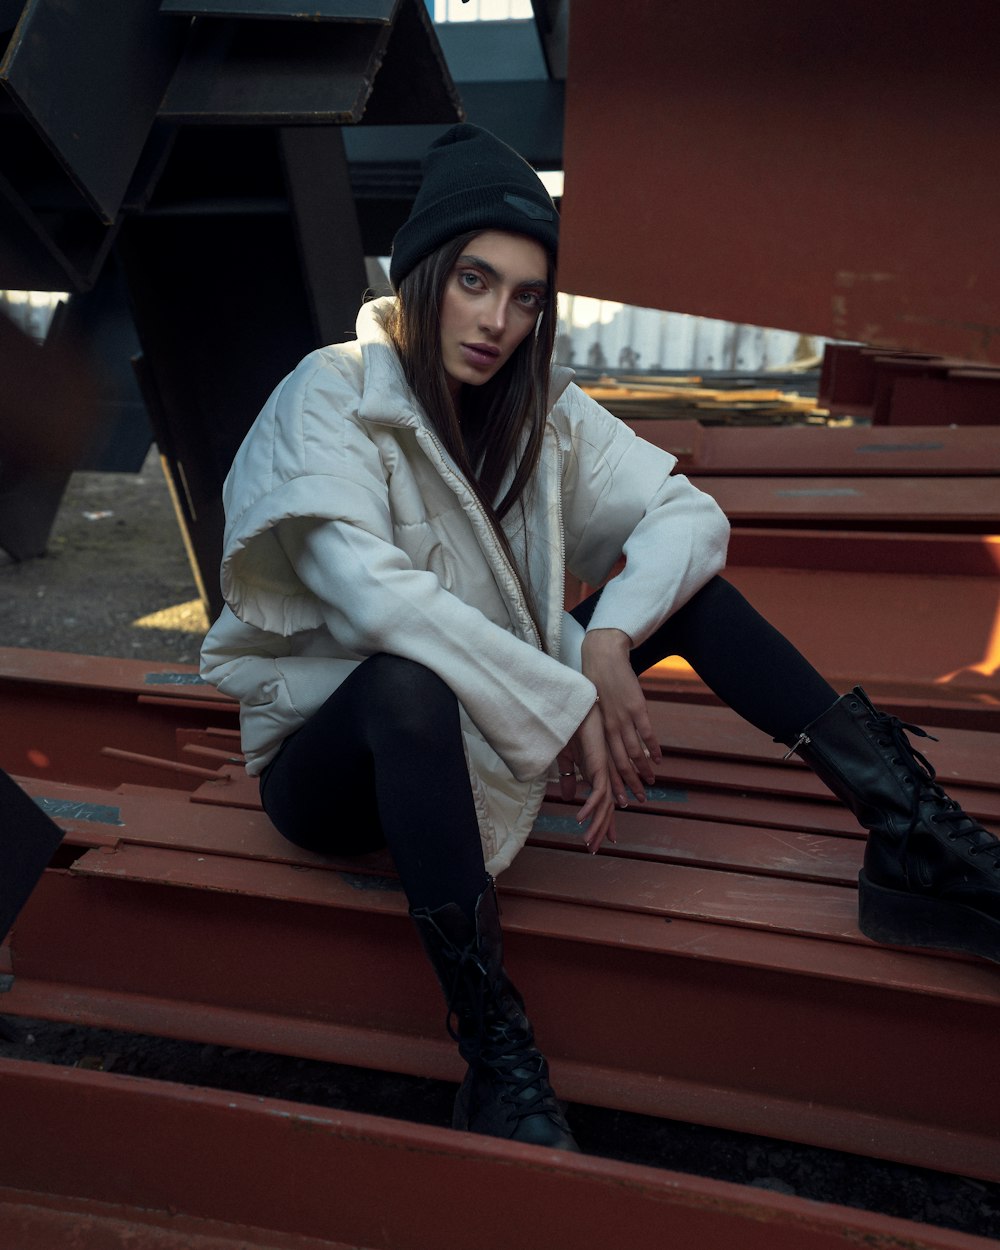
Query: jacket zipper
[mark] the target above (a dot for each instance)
(453, 477)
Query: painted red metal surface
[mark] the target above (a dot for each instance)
(947, 504)
(792, 1025)
(903, 389)
(821, 170)
(728, 904)
(157, 1165)
(847, 379)
(61, 709)
(850, 551)
(932, 637)
(803, 450)
(963, 397)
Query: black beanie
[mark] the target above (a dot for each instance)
(472, 181)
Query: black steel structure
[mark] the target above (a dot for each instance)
(206, 178)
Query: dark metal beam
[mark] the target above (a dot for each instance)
(89, 79)
(367, 11)
(326, 227)
(552, 19)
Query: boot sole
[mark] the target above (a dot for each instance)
(896, 918)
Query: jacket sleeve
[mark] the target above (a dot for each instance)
(525, 703)
(621, 497)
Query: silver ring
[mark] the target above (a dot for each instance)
(569, 774)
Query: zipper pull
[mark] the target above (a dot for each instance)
(802, 740)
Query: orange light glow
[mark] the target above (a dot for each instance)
(989, 665)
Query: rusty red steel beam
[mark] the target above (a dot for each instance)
(115, 1160)
(784, 1051)
(61, 709)
(912, 702)
(826, 451)
(701, 790)
(691, 833)
(681, 835)
(846, 109)
(909, 389)
(847, 379)
(935, 638)
(793, 1024)
(718, 732)
(155, 761)
(946, 503)
(697, 783)
(55, 728)
(765, 892)
(852, 551)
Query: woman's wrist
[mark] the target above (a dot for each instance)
(613, 640)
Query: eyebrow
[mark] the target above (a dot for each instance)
(477, 261)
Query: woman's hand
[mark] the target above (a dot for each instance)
(587, 751)
(631, 743)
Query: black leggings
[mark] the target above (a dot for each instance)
(382, 763)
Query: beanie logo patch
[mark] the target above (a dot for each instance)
(528, 207)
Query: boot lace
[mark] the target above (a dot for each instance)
(921, 776)
(509, 1052)
(506, 1048)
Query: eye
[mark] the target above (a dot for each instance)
(531, 300)
(469, 279)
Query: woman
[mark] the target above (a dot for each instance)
(399, 523)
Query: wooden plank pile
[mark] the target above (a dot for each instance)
(684, 398)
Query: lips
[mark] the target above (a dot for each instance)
(482, 354)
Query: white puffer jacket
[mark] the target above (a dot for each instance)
(412, 567)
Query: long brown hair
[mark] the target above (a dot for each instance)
(503, 420)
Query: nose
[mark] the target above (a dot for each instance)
(493, 315)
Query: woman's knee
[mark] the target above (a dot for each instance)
(408, 695)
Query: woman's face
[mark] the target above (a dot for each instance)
(491, 302)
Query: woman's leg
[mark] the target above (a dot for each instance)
(740, 657)
(382, 763)
(931, 873)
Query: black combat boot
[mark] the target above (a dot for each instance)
(931, 874)
(506, 1091)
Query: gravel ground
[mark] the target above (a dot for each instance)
(116, 558)
(116, 581)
